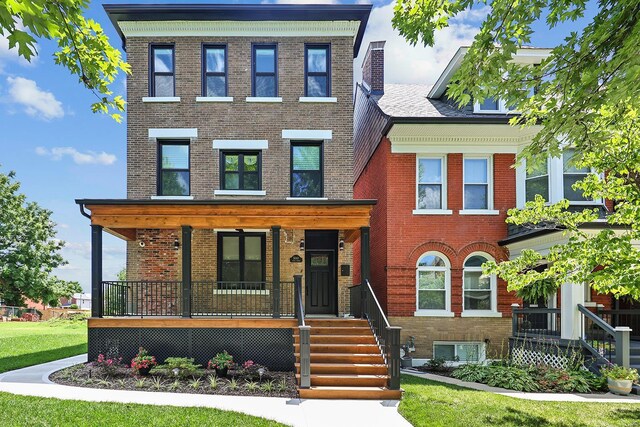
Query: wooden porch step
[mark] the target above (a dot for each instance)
(339, 339)
(342, 348)
(347, 368)
(339, 323)
(343, 380)
(323, 392)
(375, 359)
(338, 330)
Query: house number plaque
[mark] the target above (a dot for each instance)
(295, 258)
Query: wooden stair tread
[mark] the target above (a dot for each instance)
(346, 376)
(333, 392)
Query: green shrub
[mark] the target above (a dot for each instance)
(177, 366)
(616, 372)
(472, 373)
(511, 377)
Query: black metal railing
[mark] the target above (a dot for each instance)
(387, 336)
(535, 322)
(208, 299)
(629, 318)
(599, 337)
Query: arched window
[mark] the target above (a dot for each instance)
(479, 290)
(433, 280)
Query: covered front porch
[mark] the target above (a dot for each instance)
(229, 259)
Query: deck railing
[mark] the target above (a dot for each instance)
(535, 322)
(207, 299)
(387, 336)
(609, 344)
(622, 317)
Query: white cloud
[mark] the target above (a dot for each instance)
(414, 64)
(36, 102)
(86, 158)
(11, 55)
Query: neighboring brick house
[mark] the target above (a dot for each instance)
(444, 180)
(239, 185)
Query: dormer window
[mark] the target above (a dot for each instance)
(162, 73)
(492, 106)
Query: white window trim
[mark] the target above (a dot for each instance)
(239, 193)
(266, 99)
(443, 185)
(214, 98)
(173, 133)
(240, 144)
(160, 99)
(489, 210)
(171, 197)
(494, 289)
(482, 351)
(307, 134)
(502, 109)
(447, 286)
(318, 99)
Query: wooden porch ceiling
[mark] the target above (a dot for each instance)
(122, 219)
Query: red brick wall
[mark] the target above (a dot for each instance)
(408, 236)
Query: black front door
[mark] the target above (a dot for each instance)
(320, 280)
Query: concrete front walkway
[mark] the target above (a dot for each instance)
(549, 397)
(294, 412)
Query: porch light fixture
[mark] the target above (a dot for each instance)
(176, 243)
(341, 245)
(302, 244)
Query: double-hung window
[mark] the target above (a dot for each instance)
(173, 168)
(265, 74)
(317, 71)
(431, 189)
(572, 174)
(479, 290)
(241, 260)
(162, 71)
(477, 183)
(214, 70)
(306, 169)
(240, 170)
(433, 284)
(537, 181)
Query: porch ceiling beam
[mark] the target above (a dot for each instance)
(128, 234)
(351, 236)
(230, 221)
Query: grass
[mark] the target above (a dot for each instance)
(430, 403)
(29, 343)
(35, 411)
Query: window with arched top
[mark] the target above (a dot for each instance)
(433, 284)
(479, 291)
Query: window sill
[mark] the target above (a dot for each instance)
(160, 99)
(171, 197)
(267, 99)
(432, 212)
(241, 291)
(239, 193)
(307, 198)
(318, 99)
(480, 314)
(214, 98)
(479, 212)
(433, 313)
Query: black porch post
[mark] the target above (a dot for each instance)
(96, 270)
(275, 234)
(186, 271)
(365, 267)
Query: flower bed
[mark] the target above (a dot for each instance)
(201, 381)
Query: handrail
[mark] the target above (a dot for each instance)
(540, 310)
(373, 295)
(297, 280)
(305, 336)
(597, 320)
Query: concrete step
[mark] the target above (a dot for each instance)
(323, 392)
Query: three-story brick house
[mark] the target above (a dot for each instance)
(239, 182)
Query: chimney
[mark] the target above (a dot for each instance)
(373, 68)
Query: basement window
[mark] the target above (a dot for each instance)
(459, 351)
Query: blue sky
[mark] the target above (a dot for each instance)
(61, 151)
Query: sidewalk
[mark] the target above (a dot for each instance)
(548, 397)
(294, 412)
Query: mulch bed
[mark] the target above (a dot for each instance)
(85, 375)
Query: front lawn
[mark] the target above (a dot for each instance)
(430, 403)
(30, 343)
(36, 411)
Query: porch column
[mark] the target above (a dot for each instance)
(96, 270)
(275, 238)
(186, 271)
(570, 319)
(365, 267)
